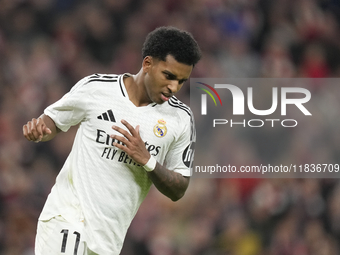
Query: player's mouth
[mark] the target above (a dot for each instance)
(165, 97)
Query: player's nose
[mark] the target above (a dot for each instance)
(174, 86)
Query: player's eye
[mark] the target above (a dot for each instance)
(169, 76)
(181, 81)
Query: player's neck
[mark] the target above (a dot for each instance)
(136, 91)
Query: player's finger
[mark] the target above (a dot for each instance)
(137, 129)
(32, 130)
(36, 129)
(129, 127)
(40, 128)
(29, 131)
(121, 146)
(122, 139)
(122, 131)
(29, 135)
(47, 130)
(25, 132)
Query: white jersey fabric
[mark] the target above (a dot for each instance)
(99, 184)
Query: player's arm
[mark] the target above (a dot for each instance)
(40, 130)
(170, 183)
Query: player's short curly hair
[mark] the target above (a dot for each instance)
(169, 40)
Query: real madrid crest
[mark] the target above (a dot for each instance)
(160, 129)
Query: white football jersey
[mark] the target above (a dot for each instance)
(100, 184)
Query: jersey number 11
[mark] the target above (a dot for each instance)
(63, 244)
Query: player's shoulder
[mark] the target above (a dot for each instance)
(181, 109)
(102, 78)
(96, 81)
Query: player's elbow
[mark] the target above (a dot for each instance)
(179, 192)
(177, 196)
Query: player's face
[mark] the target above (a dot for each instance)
(164, 78)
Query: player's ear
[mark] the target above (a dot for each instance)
(147, 63)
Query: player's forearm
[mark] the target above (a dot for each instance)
(169, 183)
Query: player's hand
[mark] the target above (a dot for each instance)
(134, 146)
(35, 130)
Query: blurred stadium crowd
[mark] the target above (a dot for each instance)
(48, 45)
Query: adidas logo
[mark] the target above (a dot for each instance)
(108, 116)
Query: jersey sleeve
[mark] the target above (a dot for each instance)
(71, 108)
(181, 153)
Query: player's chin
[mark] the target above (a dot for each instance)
(159, 100)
